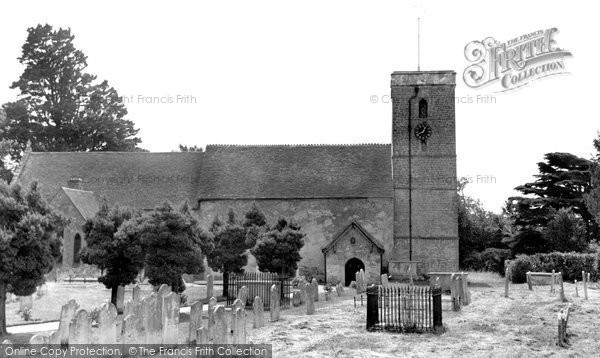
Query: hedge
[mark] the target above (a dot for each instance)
(569, 263)
(490, 259)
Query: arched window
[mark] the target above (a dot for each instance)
(422, 108)
(76, 248)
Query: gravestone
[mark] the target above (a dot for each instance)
(120, 299)
(239, 326)
(339, 289)
(238, 304)
(243, 295)
(259, 314)
(130, 308)
(220, 329)
(358, 283)
(315, 290)
(195, 321)
(25, 302)
(274, 304)
(130, 333)
(39, 339)
(107, 324)
(66, 316)
(209, 286)
(296, 298)
(327, 295)
(170, 318)
(202, 336)
(310, 305)
(302, 287)
(212, 304)
(80, 328)
(136, 294)
(54, 338)
(164, 290)
(384, 280)
(151, 318)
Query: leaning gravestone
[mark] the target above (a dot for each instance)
(80, 329)
(259, 314)
(209, 286)
(54, 338)
(310, 305)
(170, 318)
(315, 290)
(274, 304)
(66, 316)
(195, 321)
(107, 324)
(151, 317)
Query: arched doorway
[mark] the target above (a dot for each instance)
(352, 266)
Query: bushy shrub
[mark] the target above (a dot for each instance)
(491, 259)
(569, 263)
(311, 272)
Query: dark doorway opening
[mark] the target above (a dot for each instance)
(76, 249)
(352, 266)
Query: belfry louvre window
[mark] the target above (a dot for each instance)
(422, 108)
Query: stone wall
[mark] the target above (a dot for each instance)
(345, 250)
(320, 219)
(63, 204)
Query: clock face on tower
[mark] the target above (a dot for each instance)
(423, 131)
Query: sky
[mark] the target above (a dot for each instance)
(281, 72)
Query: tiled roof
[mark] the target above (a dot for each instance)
(145, 180)
(137, 179)
(296, 171)
(84, 201)
(353, 225)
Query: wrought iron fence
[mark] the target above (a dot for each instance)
(404, 308)
(259, 284)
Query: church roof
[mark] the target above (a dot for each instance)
(296, 171)
(358, 227)
(145, 180)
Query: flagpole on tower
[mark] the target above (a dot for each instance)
(418, 44)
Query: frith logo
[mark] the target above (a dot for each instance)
(514, 63)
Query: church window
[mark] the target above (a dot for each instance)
(422, 108)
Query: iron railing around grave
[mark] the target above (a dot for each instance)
(259, 284)
(404, 308)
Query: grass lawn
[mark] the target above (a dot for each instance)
(90, 295)
(523, 325)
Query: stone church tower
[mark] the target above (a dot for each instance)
(424, 172)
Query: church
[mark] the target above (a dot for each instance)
(381, 207)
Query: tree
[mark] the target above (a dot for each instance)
(278, 250)
(185, 148)
(592, 198)
(174, 243)
(478, 229)
(29, 242)
(563, 181)
(565, 232)
(59, 106)
(229, 254)
(5, 145)
(114, 247)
